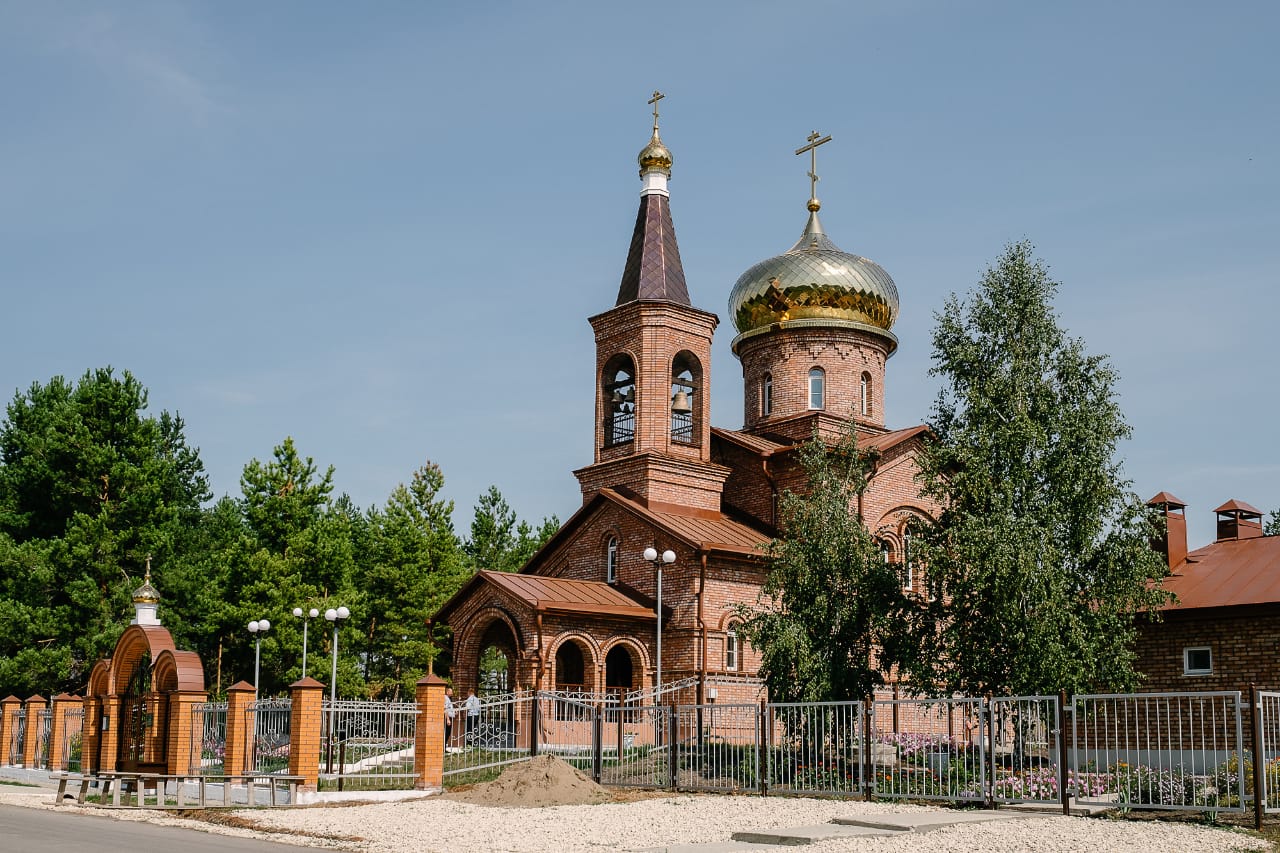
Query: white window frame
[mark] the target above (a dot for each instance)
(909, 569)
(1186, 660)
(866, 394)
(766, 395)
(818, 400)
(731, 654)
(611, 560)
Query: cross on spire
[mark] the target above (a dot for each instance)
(814, 139)
(657, 96)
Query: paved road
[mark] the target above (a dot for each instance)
(37, 831)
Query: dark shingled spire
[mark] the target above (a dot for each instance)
(653, 269)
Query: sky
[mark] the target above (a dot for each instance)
(380, 228)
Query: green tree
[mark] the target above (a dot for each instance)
(297, 550)
(499, 541)
(90, 484)
(828, 620)
(415, 565)
(1041, 555)
(1273, 523)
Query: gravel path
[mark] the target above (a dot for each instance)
(450, 827)
(445, 826)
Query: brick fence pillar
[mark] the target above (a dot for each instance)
(62, 704)
(31, 743)
(239, 729)
(91, 734)
(306, 705)
(9, 706)
(109, 734)
(428, 748)
(183, 749)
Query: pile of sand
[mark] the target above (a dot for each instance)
(543, 780)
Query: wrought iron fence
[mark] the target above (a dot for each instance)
(269, 720)
(368, 745)
(814, 747)
(488, 736)
(72, 740)
(18, 735)
(44, 727)
(209, 731)
(1161, 750)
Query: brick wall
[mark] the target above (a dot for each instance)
(1243, 641)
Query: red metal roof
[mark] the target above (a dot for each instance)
(1241, 506)
(1166, 498)
(755, 443)
(1232, 572)
(568, 596)
(721, 533)
(885, 440)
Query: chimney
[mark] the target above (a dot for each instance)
(1173, 543)
(1238, 520)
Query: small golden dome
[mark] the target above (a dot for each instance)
(655, 155)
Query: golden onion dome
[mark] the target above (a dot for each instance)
(655, 155)
(146, 594)
(817, 283)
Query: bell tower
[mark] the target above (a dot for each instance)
(653, 363)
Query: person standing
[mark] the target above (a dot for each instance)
(449, 713)
(473, 712)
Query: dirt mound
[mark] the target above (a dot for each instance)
(543, 780)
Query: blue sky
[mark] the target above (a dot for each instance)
(380, 227)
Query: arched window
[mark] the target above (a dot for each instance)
(611, 560)
(731, 657)
(865, 391)
(685, 375)
(619, 390)
(766, 394)
(817, 391)
(908, 566)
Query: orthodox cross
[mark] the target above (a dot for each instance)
(814, 141)
(657, 96)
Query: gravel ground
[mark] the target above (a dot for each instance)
(452, 827)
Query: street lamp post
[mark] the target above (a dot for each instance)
(335, 616)
(258, 627)
(310, 614)
(659, 560)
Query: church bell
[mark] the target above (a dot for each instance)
(680, 403)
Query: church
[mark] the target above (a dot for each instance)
(635, 596)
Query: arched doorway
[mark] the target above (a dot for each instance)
(496, 663)
(571, 668)
(620, 670)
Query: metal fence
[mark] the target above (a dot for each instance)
(44, 727)
(72, 740)
(1268, 755)
(1026, 747)
(717, 747)
(1161, 750)
(18, 735)
(209, 726)
(368, 745)
(488, 736)
(269, 720)
(929, 749)
(814, 747)
(635, 745)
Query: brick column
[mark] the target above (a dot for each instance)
(183, 749)
(428, 748)
(31, 743)
(91, 735)
(109, 734)
(307, 700)
(8, 706)
(62, 703)
(239, 728)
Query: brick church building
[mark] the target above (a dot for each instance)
(813, 337)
